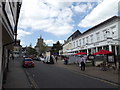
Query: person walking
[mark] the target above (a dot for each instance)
(83, 62)
(12, 57)
(66, 60)
(56, 58)
(52, 59)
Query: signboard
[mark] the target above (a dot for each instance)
(111, 59)
(91, 57)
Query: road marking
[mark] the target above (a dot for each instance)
(115, 84)
(31, 80)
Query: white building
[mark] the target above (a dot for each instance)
(105, 35)
(17, 49)
(9, 13)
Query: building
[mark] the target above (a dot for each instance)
(105, 35)
(17, 49)
(55, 48)
(68, 44)
(9, 14)
(39, 46)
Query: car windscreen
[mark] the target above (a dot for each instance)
(27, 59)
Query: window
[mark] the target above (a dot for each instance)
(91, 38)
(108, 33)
(105, 33)
(98, 36)
(70, 45)
(83, 41)
(86, 40)
(113, 29)
(80, 42)
(76, 43)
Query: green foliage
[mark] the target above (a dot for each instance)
(31, 51)
(56, 47)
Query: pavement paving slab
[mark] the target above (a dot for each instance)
(16, 77)
(111, 76)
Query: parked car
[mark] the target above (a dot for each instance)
(28, 62)
(36, 58)
(41, 58)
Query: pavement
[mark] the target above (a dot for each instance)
(111, 76)
(18, 78)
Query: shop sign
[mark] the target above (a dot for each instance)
(91, 57)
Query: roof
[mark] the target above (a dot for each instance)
(75, 34)
(104, 22)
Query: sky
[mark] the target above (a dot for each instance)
(55, 20)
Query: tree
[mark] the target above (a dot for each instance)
(56, 47)
(31, 51)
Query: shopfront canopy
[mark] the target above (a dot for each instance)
(80, 53)
(102, 52)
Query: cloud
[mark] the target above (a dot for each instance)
(103, 11)
(51, 17)
(61, 41)
(22, 33)
(50, 42)
(22, 43)
(54, 1)
(83, 7)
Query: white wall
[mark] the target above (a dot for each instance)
(0, 54)
(119, 31)
(101, 40)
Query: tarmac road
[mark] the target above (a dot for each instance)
(50, 76)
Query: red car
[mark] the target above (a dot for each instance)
(28, 62)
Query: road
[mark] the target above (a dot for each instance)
(50, 76)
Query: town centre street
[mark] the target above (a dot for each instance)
(50, 76)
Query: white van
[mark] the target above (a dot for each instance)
(49, 59)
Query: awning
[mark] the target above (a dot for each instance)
(102, 52)
(80, 53)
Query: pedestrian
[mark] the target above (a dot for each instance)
(52, 59)
(56, 58)
(83, 62)
(12, 57)
(66, 60)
